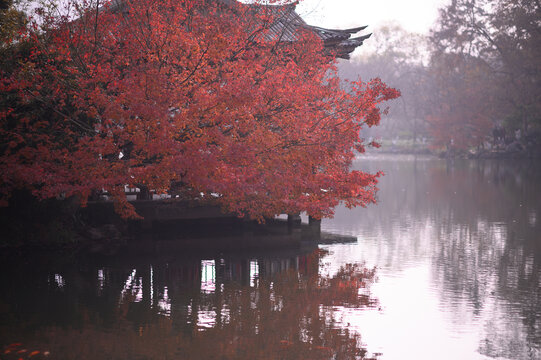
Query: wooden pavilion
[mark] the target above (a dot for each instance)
(288, 24)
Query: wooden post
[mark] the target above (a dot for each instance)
(294, 219)
(144, 194)
(294, 225)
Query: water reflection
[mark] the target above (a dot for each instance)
(236, 307)
(457, 248)
(464, 237)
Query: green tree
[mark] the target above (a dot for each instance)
(461, 106)
(505, 37)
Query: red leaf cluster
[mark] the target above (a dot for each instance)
(151, 92)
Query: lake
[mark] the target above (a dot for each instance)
(447, 265)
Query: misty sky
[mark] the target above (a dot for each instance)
(413, 15)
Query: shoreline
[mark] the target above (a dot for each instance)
(443, 154)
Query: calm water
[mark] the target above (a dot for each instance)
(446, 266)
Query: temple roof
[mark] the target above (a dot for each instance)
(288, 23)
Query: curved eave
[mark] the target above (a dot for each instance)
(340, 42)
(342, 49)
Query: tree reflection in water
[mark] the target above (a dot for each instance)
(475, 226)
(278, 308)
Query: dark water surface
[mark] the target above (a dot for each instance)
(447, 266)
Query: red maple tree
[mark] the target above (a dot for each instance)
(151, 92)
(464, 104)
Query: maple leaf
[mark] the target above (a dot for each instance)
(183, 91)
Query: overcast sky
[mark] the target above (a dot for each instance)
(413, 15)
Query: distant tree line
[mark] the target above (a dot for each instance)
(472, 84)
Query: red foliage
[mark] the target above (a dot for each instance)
(184, 90)
(463, 115)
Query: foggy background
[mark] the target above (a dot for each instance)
(468, 70)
